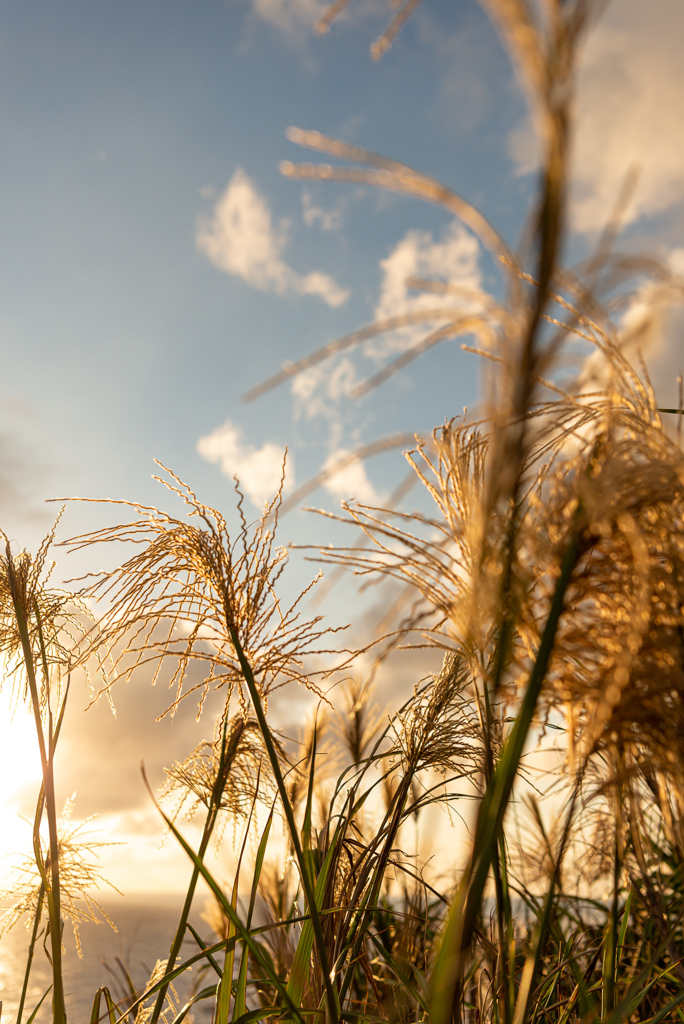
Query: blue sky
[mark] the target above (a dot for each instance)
(130, 328)
(155, 265)
(124, 125)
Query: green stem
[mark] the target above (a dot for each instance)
(185, 913)
(212, 816)
(370, 901)
(307, 883)
(465, 910)
(32, 946)
(51, 883)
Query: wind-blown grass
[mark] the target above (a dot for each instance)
(550, 579)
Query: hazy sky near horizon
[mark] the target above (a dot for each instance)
(155, 265)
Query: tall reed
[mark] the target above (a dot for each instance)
(549, 581)
(42, 635)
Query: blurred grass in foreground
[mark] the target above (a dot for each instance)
(550, 576)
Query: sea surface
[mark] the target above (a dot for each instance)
(146, 926)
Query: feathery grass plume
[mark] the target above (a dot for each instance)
(78, 877)
(191, 586)
(194, 781)
(51, 622)
(43, 636)
(169, 1013)
(358, 721)
(617, 666)
(437, 555)
(193, 593)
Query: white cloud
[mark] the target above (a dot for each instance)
(350, 483)
(629, 114)
(322, 390)
(651, 328)
(319, 390)
(329, 220)
(675, 262)
(290, 16)
(453, 257)
(298, 19)
(258, 469)
(241, 240)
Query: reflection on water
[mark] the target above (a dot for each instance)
(146, 926)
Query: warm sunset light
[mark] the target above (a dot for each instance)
(19, 780)
(342, 476)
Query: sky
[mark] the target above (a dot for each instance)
(155, 265)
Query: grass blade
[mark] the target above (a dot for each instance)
(42, 999)
(463, 916)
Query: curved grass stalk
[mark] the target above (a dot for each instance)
(449, 969)
(48, 867)
(332, 999)
(229, 750)
(32, 946)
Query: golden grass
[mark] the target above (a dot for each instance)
(549, 576)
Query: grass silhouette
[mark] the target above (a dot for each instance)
(549, 576)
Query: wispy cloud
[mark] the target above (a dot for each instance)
(241, 239)
(319, 390)
(350, 482)
(650, 329)
(312, 215)
(259, 470)
(290, 16)
(297, 20)
(453, 257)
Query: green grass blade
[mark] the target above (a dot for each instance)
(307, 827)
(300, 965)
(624, 925)
(95, 1012)
(111, 1005)
(205, 954)
(400, 974)
(640, 987)
(226, 984)
(240, 1004)
(664, 1012)
(42, 1000)
(205, 993)
(242, 933)
(32, 942)
(248, 675)
(95, 1016)
(263, 1013)
(463, 916)
(203, 946)
(362, 1018)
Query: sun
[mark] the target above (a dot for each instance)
(19, 772)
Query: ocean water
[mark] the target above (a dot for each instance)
(146, 926)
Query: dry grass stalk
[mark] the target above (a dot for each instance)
(189, 585)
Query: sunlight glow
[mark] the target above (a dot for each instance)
(19, 770)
